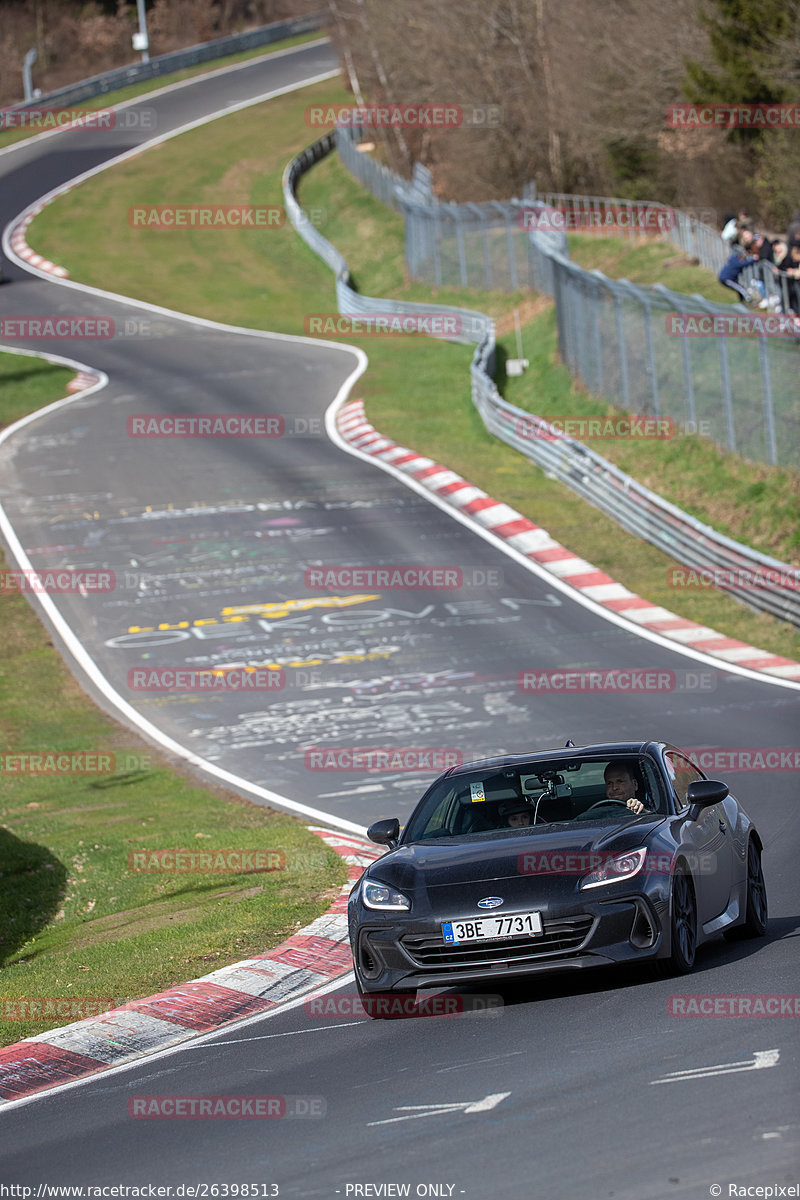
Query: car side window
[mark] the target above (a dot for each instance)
(682, 773)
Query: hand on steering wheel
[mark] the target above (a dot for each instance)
(603, 803)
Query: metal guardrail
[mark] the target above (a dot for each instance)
(761, 582)
(469, 326)
(164, 64)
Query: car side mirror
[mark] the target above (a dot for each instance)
(386, 832)
(702, 793)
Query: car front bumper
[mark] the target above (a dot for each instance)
(404, 955)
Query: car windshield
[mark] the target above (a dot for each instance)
(532, 796)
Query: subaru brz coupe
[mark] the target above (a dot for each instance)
(556, 861)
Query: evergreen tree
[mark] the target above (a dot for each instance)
(744, 37)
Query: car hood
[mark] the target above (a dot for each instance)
(560, 852)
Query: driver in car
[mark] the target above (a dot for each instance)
(623, 785)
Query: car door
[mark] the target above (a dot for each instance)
(706, 841)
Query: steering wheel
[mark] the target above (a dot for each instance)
(604, 803)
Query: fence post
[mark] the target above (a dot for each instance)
(462, 256)
(621, 351)
(769, 412)
(688, 379)
(727, 400)
(512, 262)
(650, 354)
(487, 266)
(437, 261)
(598, 344)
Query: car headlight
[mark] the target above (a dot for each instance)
(620, 866)
(380, 895)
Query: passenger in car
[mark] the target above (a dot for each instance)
(516, 813)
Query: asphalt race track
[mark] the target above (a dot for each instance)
(579, 1087)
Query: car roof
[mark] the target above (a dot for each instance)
(598, 750)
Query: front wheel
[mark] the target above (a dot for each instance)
(755, 918)
(386, 1006)
(683, 926)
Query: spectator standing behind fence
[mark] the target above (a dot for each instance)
(791, 266)
(739, 259)
(793, 229)
(734, 223)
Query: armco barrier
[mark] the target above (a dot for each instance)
(177, 60)
(474, 326)
(593, 477)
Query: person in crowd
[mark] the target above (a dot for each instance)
(738, 260)
(790, 266)
(793, 229)
(734, 223)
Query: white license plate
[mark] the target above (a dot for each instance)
(484, 929)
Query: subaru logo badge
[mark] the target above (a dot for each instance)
(490, 902)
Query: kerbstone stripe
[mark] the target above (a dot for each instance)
(307, 960)
(536, 544)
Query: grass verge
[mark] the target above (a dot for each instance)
(647, 262)
(78, 923)
(270, 279)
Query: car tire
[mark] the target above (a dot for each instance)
(755, 918)
(683, 927)
(397, 1013)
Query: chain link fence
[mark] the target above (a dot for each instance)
(708, 367)
(761, 582)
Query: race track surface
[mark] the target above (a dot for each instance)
(192, 528)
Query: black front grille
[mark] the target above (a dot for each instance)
(558, 937)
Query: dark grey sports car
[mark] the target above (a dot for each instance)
(556, 861)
